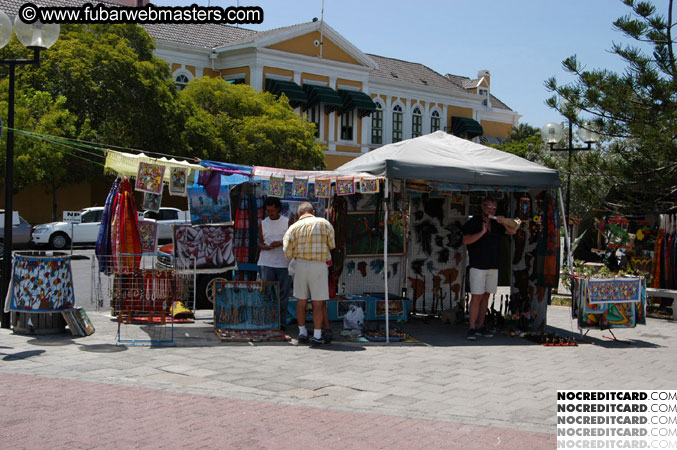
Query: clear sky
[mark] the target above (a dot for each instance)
(521, 42)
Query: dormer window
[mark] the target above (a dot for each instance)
(484, 92)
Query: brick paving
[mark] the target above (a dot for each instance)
(445, 391)
(58, 413)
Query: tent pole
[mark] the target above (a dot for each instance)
(570, 261)
(385, 256)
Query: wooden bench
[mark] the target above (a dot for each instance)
(665, 293)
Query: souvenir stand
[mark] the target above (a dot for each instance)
(330, 192)
(442, 179)
(140, 290)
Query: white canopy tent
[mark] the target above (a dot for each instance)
(465, 165)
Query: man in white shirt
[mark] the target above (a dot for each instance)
(272, 260)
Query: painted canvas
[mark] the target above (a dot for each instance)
(276, 187)
(148, 235)
(208, 248)
(323, 187)
(300, 187)
(345, 186)
(250, 305)
(204, 209)
(40, 284)
(369, 185)
(149, 178)
(177, 181)
(151, 202)
(366, 232)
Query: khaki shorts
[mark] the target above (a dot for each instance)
(311, 280)
(482, 281)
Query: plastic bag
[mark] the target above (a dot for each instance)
(354, 318)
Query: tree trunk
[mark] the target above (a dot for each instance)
(55, 188)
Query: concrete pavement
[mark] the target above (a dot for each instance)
(446, 392)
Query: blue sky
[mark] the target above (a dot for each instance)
(521, 42)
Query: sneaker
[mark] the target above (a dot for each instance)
(328, 336)
(315, 342)
(484, 331)
(472, 334)
(303, 339)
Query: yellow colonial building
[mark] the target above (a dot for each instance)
(358, 101)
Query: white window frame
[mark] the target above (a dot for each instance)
(398, 108)
(182, 72)
(433, 117)
(379, 110)
(417, 114)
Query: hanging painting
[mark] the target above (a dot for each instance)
(323, 187)
(148, 235)
(208, 248)
(300, 187)
(369, 185)
(151, 202)
(345, 186)
(276, 187)
(177, 181)
(204, 209)
(40, 284)
(149, 178)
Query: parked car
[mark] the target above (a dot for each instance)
(58, 234)
(21, 233)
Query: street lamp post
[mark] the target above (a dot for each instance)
(36, 36)
(552, 134)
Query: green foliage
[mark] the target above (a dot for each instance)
(635, 168)
(234, 123)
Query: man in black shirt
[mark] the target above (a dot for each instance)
(482, 238)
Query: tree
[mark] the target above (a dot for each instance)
(635, 170)
(99, 83)
(235, 123)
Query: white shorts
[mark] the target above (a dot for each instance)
(311, 280)
(482, 281)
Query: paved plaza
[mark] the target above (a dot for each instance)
(67, 392)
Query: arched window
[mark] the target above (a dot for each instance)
(434, 121)
(181, 81)
(397, 123)
(416, 122)
(377, 124)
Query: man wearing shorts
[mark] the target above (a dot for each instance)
(309, 241)
(482, 237)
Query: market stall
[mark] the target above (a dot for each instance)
(439, 180)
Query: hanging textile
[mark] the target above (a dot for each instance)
(125, 240)
(548, 242)
(337, 217)
(103, 242)
(608, 303)
(40, 284)
(664, 267)
(249, 214)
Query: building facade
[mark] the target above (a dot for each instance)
(358, 101)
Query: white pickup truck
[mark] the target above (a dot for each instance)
(58, 235)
